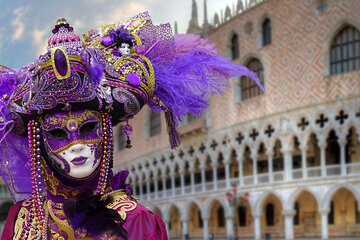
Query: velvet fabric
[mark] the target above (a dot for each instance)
(140, 223)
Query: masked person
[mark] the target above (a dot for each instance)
(57, 114)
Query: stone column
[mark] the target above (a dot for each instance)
(270, 165)
(257, 226)
(206, 228)
(182, 182)
(342, 143)
(215, 177)
(230, 227)
(164, 186)
(288, 164)
(172, 184)
(304, 161)
(134, 188)
(147, 188)
(324, 224)
(255, 171)
(192, 180)
(167, 227)
(203, 181)
(241, 170)
(156, 188)
(322, 158)
(141, 190)
(185, 228)
(227, 174)
(289, 224)
(166, 219)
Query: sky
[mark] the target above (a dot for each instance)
(25, 26)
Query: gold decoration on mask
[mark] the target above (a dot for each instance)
(85, 142)
(47, 121)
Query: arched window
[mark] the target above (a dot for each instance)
(331, 216)
(270, 215)
(332, 150)
(155, 124)
(345, 51)
(297, 214)
(234, 47)
(249, 89)
(242, 216)
(220, 217)
(266, 32)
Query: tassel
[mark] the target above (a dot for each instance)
(127, 130)
(174, 137)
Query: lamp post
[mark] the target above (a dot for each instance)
(232, 200)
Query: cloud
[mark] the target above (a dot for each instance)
(18, 22)
(39, 40)
(121, 13)
(78, 24)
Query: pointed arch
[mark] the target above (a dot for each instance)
(338, 27)
(272, 209)
(307, 215)
(266, 32)
(345, 50)
(329, 195)
(195, 218)
(174, 221)
(258, 206)
(248, 87)
(234, 48)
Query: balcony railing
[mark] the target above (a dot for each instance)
(350, 169)
(278, 176)
(263, 178)
(314, 172)
(249, 180)
(334, 170)
(221, 184)
(353, 169)
(297, 174)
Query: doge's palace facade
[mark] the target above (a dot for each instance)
(289, 156)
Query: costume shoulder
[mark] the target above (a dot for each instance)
(8, 231)
(140, 222)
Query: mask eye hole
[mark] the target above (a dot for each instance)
(87, 128)
(58, 133)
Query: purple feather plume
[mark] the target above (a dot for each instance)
(96, 71)
(196, 73)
